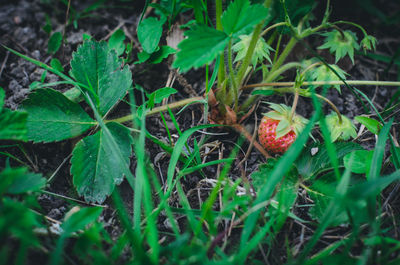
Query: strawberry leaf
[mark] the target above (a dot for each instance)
(53, 117)
(94, 170)
(19, 180)
(98, 68)
(261, 51)
(202, 45)
(325, 74)
(240, 16)
(149, 33)
(13, 125)
(372, 125)
(340, 130)
(340, 45)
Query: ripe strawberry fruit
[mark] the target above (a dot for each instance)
(278, 130)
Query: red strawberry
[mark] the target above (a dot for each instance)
(278, 130)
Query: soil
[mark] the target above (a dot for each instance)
(21, 28)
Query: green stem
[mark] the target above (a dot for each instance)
(272, 27)
(333, 106)
(221, 69)
(232, 77)
(156, 110)
(249, 54)
(292, 42)
(352, 24)
(320, 83)
(270, 77)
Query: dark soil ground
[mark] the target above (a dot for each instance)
(21, 28)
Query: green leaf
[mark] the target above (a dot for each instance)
(149, 33)
(21, 181)
(53, 117)
(2, 97)
(372, 125)
(162, 93)
(56, 64)
(309, 165)
(261, 51)
(13, 125)
(322, 192)
(341, 45)
(156, 57)
(325, 74)
(202, 46)
(54, 42)
(296, 9)
(263, 92)
(47, 27)
(98, 67)
(94, 171)
(361, 163)
(241, 16)
(116, 41)
(340, 130)
(80, 219)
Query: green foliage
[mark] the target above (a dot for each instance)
(156, 57)
(372, 125)
(311, 164)
(341, 43)
(54, 42)
(368, 43)
(241, 16)
(340, 130)
(261, 52)
(19, 180)
(362, 161)
(53, 117)
(95, 174)
(324, 74)
(149, 33)
(202, 46)
(56, 64)
(116, 42)
(97, 69)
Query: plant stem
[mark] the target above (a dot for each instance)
(249, 54)
(320, 83)
(221, 69)
(272, 27)
(292, 42)
(294, 105)
(242, 130)
(332, 105)
(156, 110)
(232, 77)
(352, 24)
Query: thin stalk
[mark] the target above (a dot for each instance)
(294, 105)
(320, 83)
(247, 59)
(232, 77)
(163, 108)
(272, 27)
(310, 67)
(333, 106)
(352, 24)
(270, 77)
(292, 42)
(242, 130)
(221, 69)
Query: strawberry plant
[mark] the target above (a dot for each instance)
(318, 189)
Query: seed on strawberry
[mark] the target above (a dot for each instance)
(278, 130)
